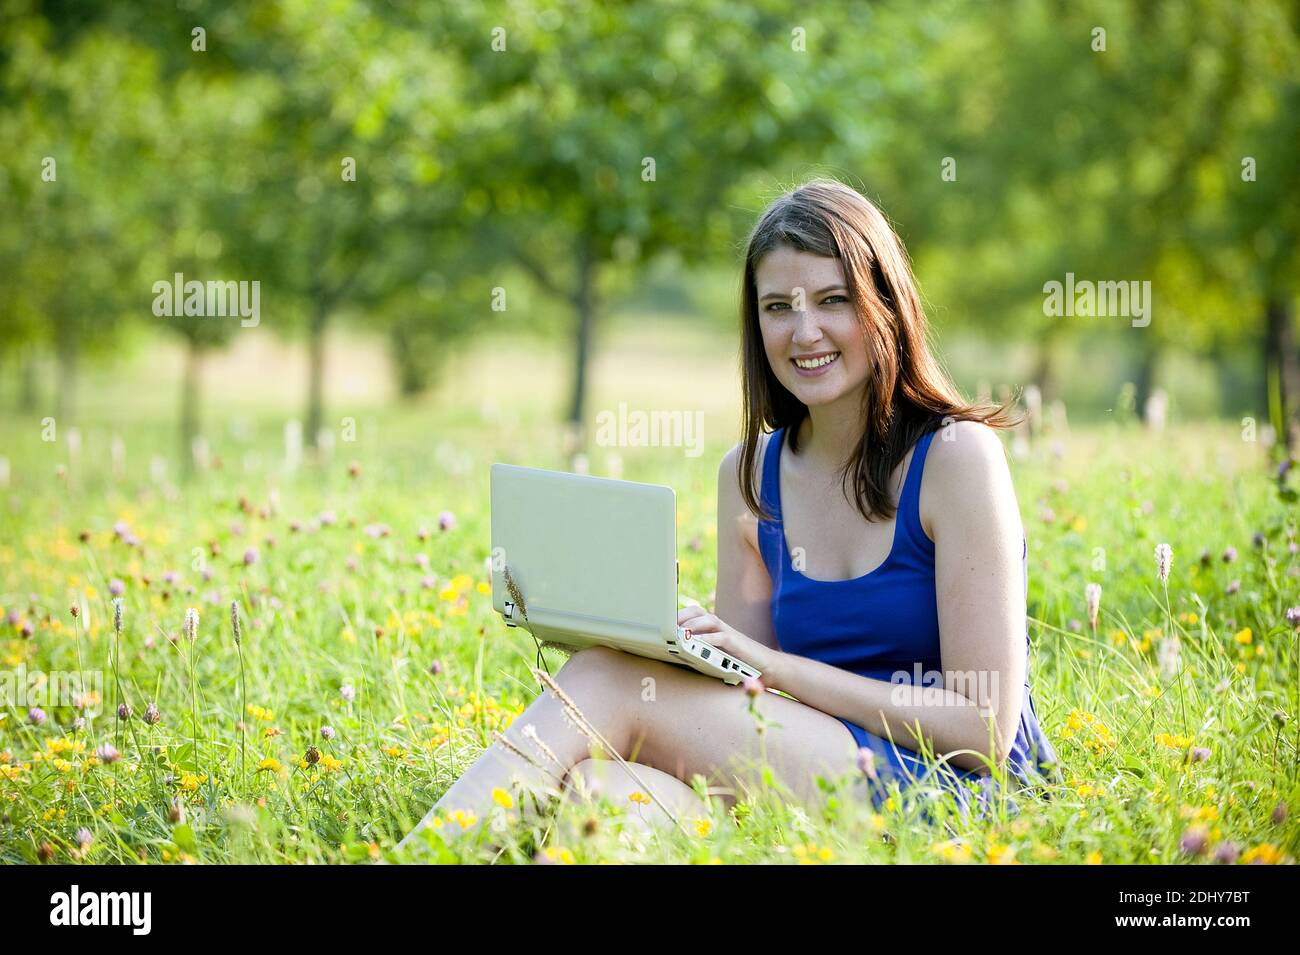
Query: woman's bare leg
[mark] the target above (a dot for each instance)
(596, 778)
(673, 719)
(565, 745)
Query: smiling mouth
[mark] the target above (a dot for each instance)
(810, 363)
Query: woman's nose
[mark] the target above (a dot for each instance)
(807, 328)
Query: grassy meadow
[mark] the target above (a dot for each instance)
(371, 669)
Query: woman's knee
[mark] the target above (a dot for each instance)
(596, 681)
(596, 675)
(589, 665)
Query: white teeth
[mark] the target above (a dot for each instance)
(817, 362)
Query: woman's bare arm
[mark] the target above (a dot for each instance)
(981, 605)
(744, 590)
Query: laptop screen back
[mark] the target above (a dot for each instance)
(590, 555)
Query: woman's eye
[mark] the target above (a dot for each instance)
(829, 300)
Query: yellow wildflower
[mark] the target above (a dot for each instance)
(1001, 854)
(464, 818)
(558, 856)
(1265, 853)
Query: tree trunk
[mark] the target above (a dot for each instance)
(1145, 379)
(189, 406)
(27, 382)
(1280, 355)
(414, 371)
(316, 373)
(585, 306)
(1045, 370)
(65, 408)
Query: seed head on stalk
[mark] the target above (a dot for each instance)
(515, 595)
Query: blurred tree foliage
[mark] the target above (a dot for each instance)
(429, 169)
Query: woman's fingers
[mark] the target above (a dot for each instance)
(698, 620)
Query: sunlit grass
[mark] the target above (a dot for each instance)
(375, 669)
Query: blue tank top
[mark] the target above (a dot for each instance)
(883, 625)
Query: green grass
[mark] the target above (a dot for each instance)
(313, 624)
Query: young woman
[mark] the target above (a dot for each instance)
(868, 569)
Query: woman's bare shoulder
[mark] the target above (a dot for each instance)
(732, 508)
(964, 458)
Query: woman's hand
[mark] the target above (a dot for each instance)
(729, 640)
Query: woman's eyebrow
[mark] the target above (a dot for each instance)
(829, 288)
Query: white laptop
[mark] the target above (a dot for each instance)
(595, 562)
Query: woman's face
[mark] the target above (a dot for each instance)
(826, 327)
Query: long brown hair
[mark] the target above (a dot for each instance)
(908, 393)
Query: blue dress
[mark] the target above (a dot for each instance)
(885, 626)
